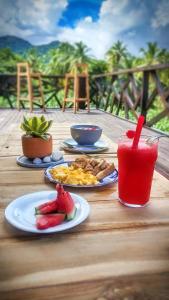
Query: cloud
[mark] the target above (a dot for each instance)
(37, 21)
(161, 18)
(40, 14)
(31, 17)
(115, 16)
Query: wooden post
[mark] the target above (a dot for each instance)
(30, 90)
(88, 94)
(113, 78)
(144, 98)
(41, 93)
(18, 87)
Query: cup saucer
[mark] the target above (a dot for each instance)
(72, 146)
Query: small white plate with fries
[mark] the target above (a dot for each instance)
(83, 173)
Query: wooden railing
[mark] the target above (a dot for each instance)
(52, 84)
(132, 91)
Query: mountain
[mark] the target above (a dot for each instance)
(14, 43)
(20, 46)
(42, 49)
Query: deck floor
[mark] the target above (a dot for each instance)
(112, 126)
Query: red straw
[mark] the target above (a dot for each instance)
(130, 134)
(138, 131)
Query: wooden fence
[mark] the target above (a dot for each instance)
(52, 85)
(133, 91)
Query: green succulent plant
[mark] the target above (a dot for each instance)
(36, 126)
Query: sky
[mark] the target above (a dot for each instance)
(98, 23)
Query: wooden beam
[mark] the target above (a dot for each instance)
(134, 70)
(159, 88)
(157, 118)
(152, 98)
(109, 91)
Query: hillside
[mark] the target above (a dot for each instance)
(20, 46)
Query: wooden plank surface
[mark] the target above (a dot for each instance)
(113, 127)
(117, 253)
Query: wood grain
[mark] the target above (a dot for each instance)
(116, 254)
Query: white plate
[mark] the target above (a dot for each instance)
(110, 179)
(21, 212)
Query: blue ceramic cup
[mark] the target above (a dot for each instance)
(85, 134)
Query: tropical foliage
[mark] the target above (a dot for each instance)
(62, 59)
(8, 61)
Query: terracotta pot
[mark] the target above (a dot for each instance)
(36, 147)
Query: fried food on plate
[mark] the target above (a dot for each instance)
(72, 175)
(83, 171)
(98, 167)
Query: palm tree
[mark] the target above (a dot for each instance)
(80, 54)
(34, 59)
(115, 55)
(98, 66)
(153, 54)
(66, 56)
(129, 61)
(61, 58)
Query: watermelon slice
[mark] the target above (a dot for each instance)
(50, 220)
(65, 203)
(70, 206)
(46, 208)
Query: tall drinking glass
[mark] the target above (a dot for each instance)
(135, 167)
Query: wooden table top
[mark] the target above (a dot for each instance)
(117, 253)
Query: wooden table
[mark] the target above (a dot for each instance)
(117, 253)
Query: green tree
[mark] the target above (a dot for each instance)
(80, 54)
(35, 60)
(116, 54)
(97, 66)
(8, 60)
(60, 59)
(129, 61)
(152, 54)
(66, 56)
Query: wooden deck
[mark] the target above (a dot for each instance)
(113, 126)
(118, 253)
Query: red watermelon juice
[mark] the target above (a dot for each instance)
(135, 167)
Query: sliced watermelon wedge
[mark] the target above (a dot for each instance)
(71, 208)
(50, 220)
(65, 202)
(46, 208)
(60, 198)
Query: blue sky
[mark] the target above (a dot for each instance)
(98, 23)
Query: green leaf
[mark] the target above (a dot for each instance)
(25, 120)
(42, 118)
(39, 135)
(42, 126)
(25, 127)
(34, 123)
(44, 137)
(45, 128)
(35, 133)
(49, 125)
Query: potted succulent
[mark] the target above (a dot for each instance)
(36, 142)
